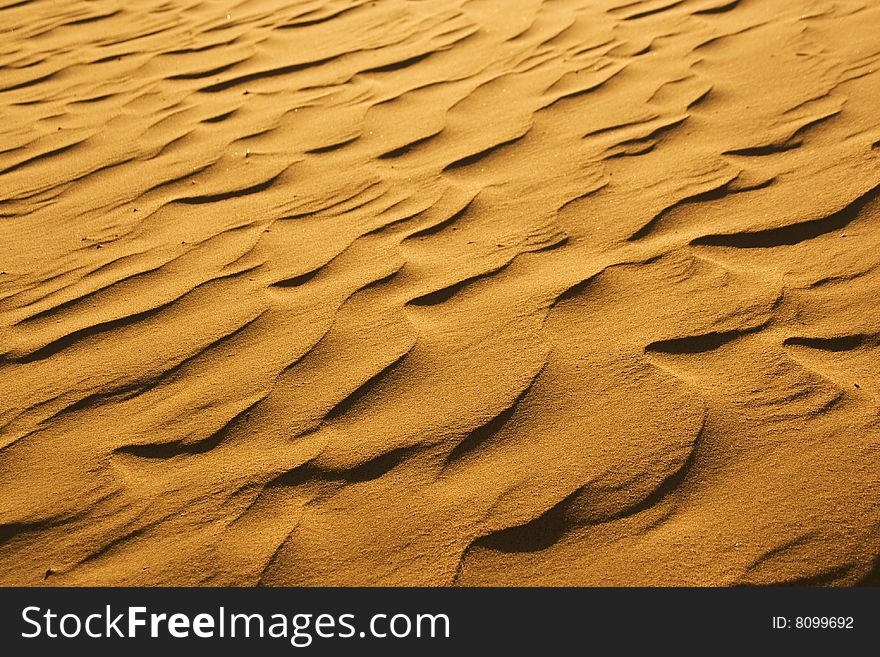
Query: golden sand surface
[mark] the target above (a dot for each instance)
(439, 292)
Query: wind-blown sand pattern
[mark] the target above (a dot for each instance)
(561, 292)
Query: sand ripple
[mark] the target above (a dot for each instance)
(447, 292)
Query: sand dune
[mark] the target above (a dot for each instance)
(432, 292)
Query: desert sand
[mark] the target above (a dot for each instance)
(440, 292)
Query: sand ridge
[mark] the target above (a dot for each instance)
(439, 292)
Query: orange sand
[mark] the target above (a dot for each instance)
(440, 292)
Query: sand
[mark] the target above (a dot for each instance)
(440, 292)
